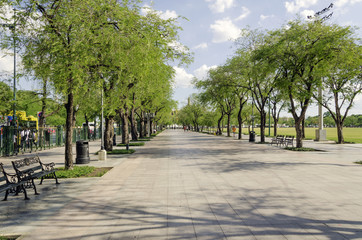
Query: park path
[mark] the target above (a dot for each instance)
(185, 185)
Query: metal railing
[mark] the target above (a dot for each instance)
(15, 141)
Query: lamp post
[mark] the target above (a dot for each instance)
(102, 123)
(320, 133)
(269, 117)
(102, 154)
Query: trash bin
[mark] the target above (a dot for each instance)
(82, 149)
(252, 136)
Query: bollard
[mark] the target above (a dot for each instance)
(102, 155)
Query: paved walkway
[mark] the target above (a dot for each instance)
(185, 185)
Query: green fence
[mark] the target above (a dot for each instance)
(15, 141)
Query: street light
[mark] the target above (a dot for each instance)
(102, 154)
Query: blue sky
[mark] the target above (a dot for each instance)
(213, 25)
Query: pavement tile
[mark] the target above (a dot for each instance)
(185, 185)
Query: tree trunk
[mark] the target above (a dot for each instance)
(240, 119)
(219, 123)
(43, 111)
(95, 129)
(240, 122)
(262, 125)
(142, 126)
(87, 124)
(41, 127)
(108, 134)
(74, 117)
(125, 134)
(151, 126)
(340, 132)
(303, 128)
(228, 130)
(275, 126)
(133, 122)
(299, 137)
(69, 133)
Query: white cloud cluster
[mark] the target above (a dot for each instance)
(164, 15)
(201, 72)
(182, 79)
(201, 46)
(224, 30)
(307, 13)
(296, 5)
(168, 14)
(179, 47)
(264, 17)
(219, 6)
(245, 13)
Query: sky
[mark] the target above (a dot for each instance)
(211, 27)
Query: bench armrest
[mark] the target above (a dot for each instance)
(11, 178)
(24, 175)
(47, 166)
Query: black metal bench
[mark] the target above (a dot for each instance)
(9, 183)
(289, 141)
(278, 140)
(31, 168)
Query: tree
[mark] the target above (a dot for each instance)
(216, 91)
(239, 85)
(6, 97)
(298, 51)
(277, 103)
(261, 74)
(343, 79)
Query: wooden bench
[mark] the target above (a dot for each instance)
(9, 184)
(278, 140)
(31, 168)
(289, 141)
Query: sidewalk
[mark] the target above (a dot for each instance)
(185, 185)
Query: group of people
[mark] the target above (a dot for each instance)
(27, 138)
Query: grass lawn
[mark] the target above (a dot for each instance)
(121, 151)
(145, 139)
(131, 144)
(8, 237)
(350, 134)
(81, 171)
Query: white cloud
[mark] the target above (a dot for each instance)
(182, 78)
(224, 30)
(219, 6)
(201, 46)
(264, 17)
(164, 15)
(168, 14)
(307, 13)
(201, 72)
(179, 47)
(341, 3)
(294, 6)
(245, 13)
